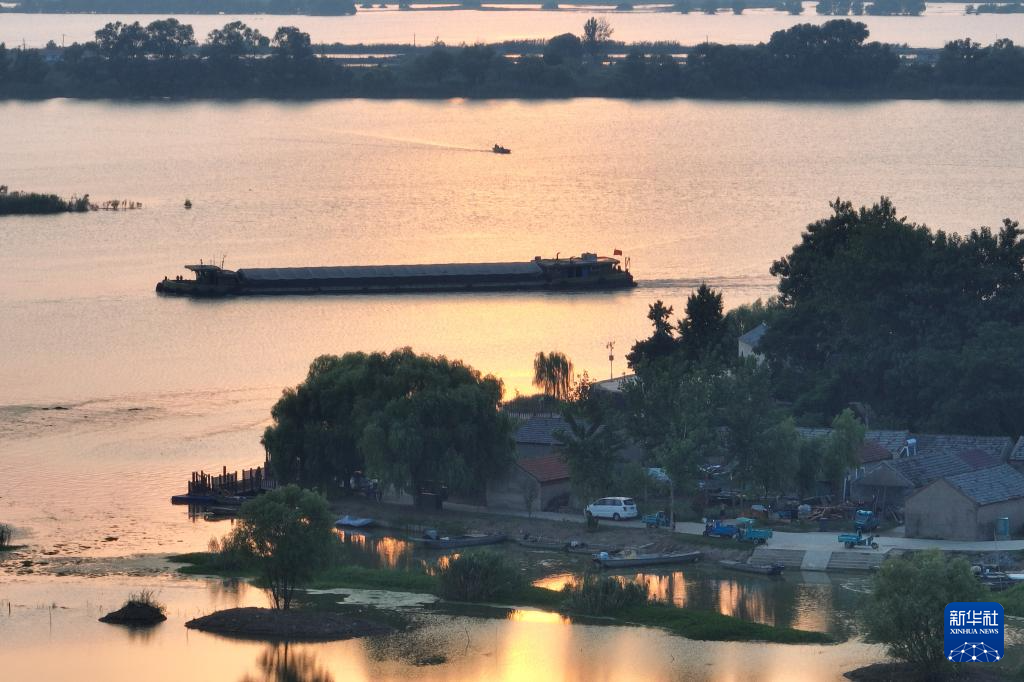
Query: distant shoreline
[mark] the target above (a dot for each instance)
(829, 62)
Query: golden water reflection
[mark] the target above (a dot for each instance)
(386, 551)
(533, 616)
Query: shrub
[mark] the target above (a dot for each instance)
(906, 607)
(146, 598)
(5, 535)
(599, 596)
(479, 577)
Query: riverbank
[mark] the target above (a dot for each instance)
(689, 623)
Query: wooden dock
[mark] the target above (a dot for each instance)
(244, 482)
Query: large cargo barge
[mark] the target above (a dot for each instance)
(586, 272)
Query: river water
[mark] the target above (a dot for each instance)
(150, 389)
(941, 23)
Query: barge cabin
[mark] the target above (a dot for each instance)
(586, 272)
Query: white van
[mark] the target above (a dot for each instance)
(614, 508)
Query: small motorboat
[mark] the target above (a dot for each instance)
(498, 149)
(433, 541)
(353, 522)
(630, 559)
(760, 569)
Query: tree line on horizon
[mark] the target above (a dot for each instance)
(833, 60)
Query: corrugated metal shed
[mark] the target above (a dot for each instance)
(390, 271)
(988, 486)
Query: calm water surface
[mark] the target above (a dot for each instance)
(940, 24)
(518, 645)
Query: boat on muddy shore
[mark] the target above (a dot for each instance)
(587, 272)
(456, 541)
(759, 569)
(630, 560)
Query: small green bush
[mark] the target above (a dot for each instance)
(601, 596)
(480, 577)
(145, 598)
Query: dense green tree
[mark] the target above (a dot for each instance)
(660, 344)
(761, 439)
(293, 44)
(877, 310)
(591, 449)
(404, 418)
(702, 332)
(672, 412)
(563, 48)
(289, 534)
(234, 40)
(907, 606)
(842, 449)
(169, 38)
(119, 41)
(810, 453)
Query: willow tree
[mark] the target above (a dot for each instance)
(401, 417)
(552, 373)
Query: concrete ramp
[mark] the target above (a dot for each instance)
(851, 560)
(816, 560)
(790, 558)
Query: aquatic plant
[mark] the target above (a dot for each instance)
(595, 595)
(480, 577)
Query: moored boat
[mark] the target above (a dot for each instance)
(354, 521)
(605, 560)
(761, 569)
(457, 541)
(194, 498)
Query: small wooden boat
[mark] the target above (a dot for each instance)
(456, 541)
(220, 513)
(353, 521)
(194, 499)
(584, 548)
(498, 149)
(760, 569)
(542, 544)
(605, 560)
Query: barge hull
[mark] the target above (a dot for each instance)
(586, 273)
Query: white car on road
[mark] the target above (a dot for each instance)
(617, 508)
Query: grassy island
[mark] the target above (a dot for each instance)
(32, 203)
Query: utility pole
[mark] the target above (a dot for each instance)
(611, 359)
